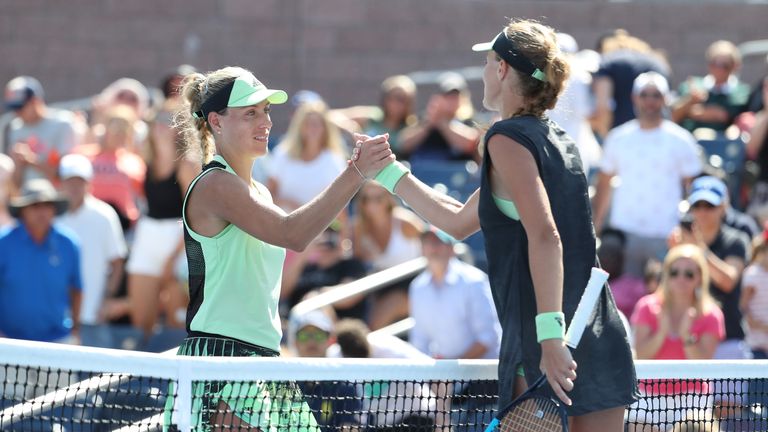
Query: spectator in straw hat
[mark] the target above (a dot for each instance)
(39, 269)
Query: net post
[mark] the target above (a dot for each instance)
(184, 396)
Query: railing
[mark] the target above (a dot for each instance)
(365, 285)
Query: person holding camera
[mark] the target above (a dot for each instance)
(727, 252)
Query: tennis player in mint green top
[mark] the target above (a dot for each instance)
(235, 240)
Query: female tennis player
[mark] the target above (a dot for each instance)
(235, 239)
(534, 211)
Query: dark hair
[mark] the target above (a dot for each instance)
(352, 337)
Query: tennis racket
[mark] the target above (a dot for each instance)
(533, 412)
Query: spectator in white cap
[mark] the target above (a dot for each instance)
(655, 159)
(727, 252)
(310, 334)
(38, 135)
(102, 247)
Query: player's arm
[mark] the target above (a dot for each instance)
(524, 187)
(457, 219)
(235, 202)
(601, 200)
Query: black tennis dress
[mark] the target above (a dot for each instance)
(606, 373)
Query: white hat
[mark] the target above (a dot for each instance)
(316, 318)
(75, 165)
(653, 79)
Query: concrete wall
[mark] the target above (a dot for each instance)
(341, 48)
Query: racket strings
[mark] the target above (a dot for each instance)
(532, 415)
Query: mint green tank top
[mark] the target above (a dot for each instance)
(234, 280)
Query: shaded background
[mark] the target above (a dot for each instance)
(340, 48)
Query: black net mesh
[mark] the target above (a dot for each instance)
(43, 399)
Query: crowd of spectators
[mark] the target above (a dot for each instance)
(92, 200)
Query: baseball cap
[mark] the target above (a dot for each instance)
(316, 318)
(451, 81)
(20, 90)
(75, 165)
(244, 91)
(709, 189)
(653, 79)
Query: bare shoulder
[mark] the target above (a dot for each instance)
(217, 187)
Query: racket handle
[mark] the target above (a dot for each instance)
(584, 310)
(492, 425)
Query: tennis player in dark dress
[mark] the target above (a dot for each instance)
(534, 211)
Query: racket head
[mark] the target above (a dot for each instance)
(534, 413)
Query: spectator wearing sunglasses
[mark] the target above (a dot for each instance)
(713, 101)
(335, 405)
(680, 321)
(726, 250)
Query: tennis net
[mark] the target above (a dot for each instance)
(48, 387)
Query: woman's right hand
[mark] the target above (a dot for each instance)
(372, 154)
(559, 367)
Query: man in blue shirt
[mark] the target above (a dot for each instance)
(40, 283)
(451, 305)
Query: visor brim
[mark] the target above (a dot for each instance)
(481, 47)
(273, 96)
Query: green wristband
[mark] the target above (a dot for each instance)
(550, 325)
(391, 174)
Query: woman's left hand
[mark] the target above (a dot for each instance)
(559, 367)
(372, 154)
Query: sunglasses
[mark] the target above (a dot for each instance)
(688, 274)
(651, 95)
(311, 335)
(721, 64)
(702, 205)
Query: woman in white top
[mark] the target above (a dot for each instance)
(385, 234)
(308, 159)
